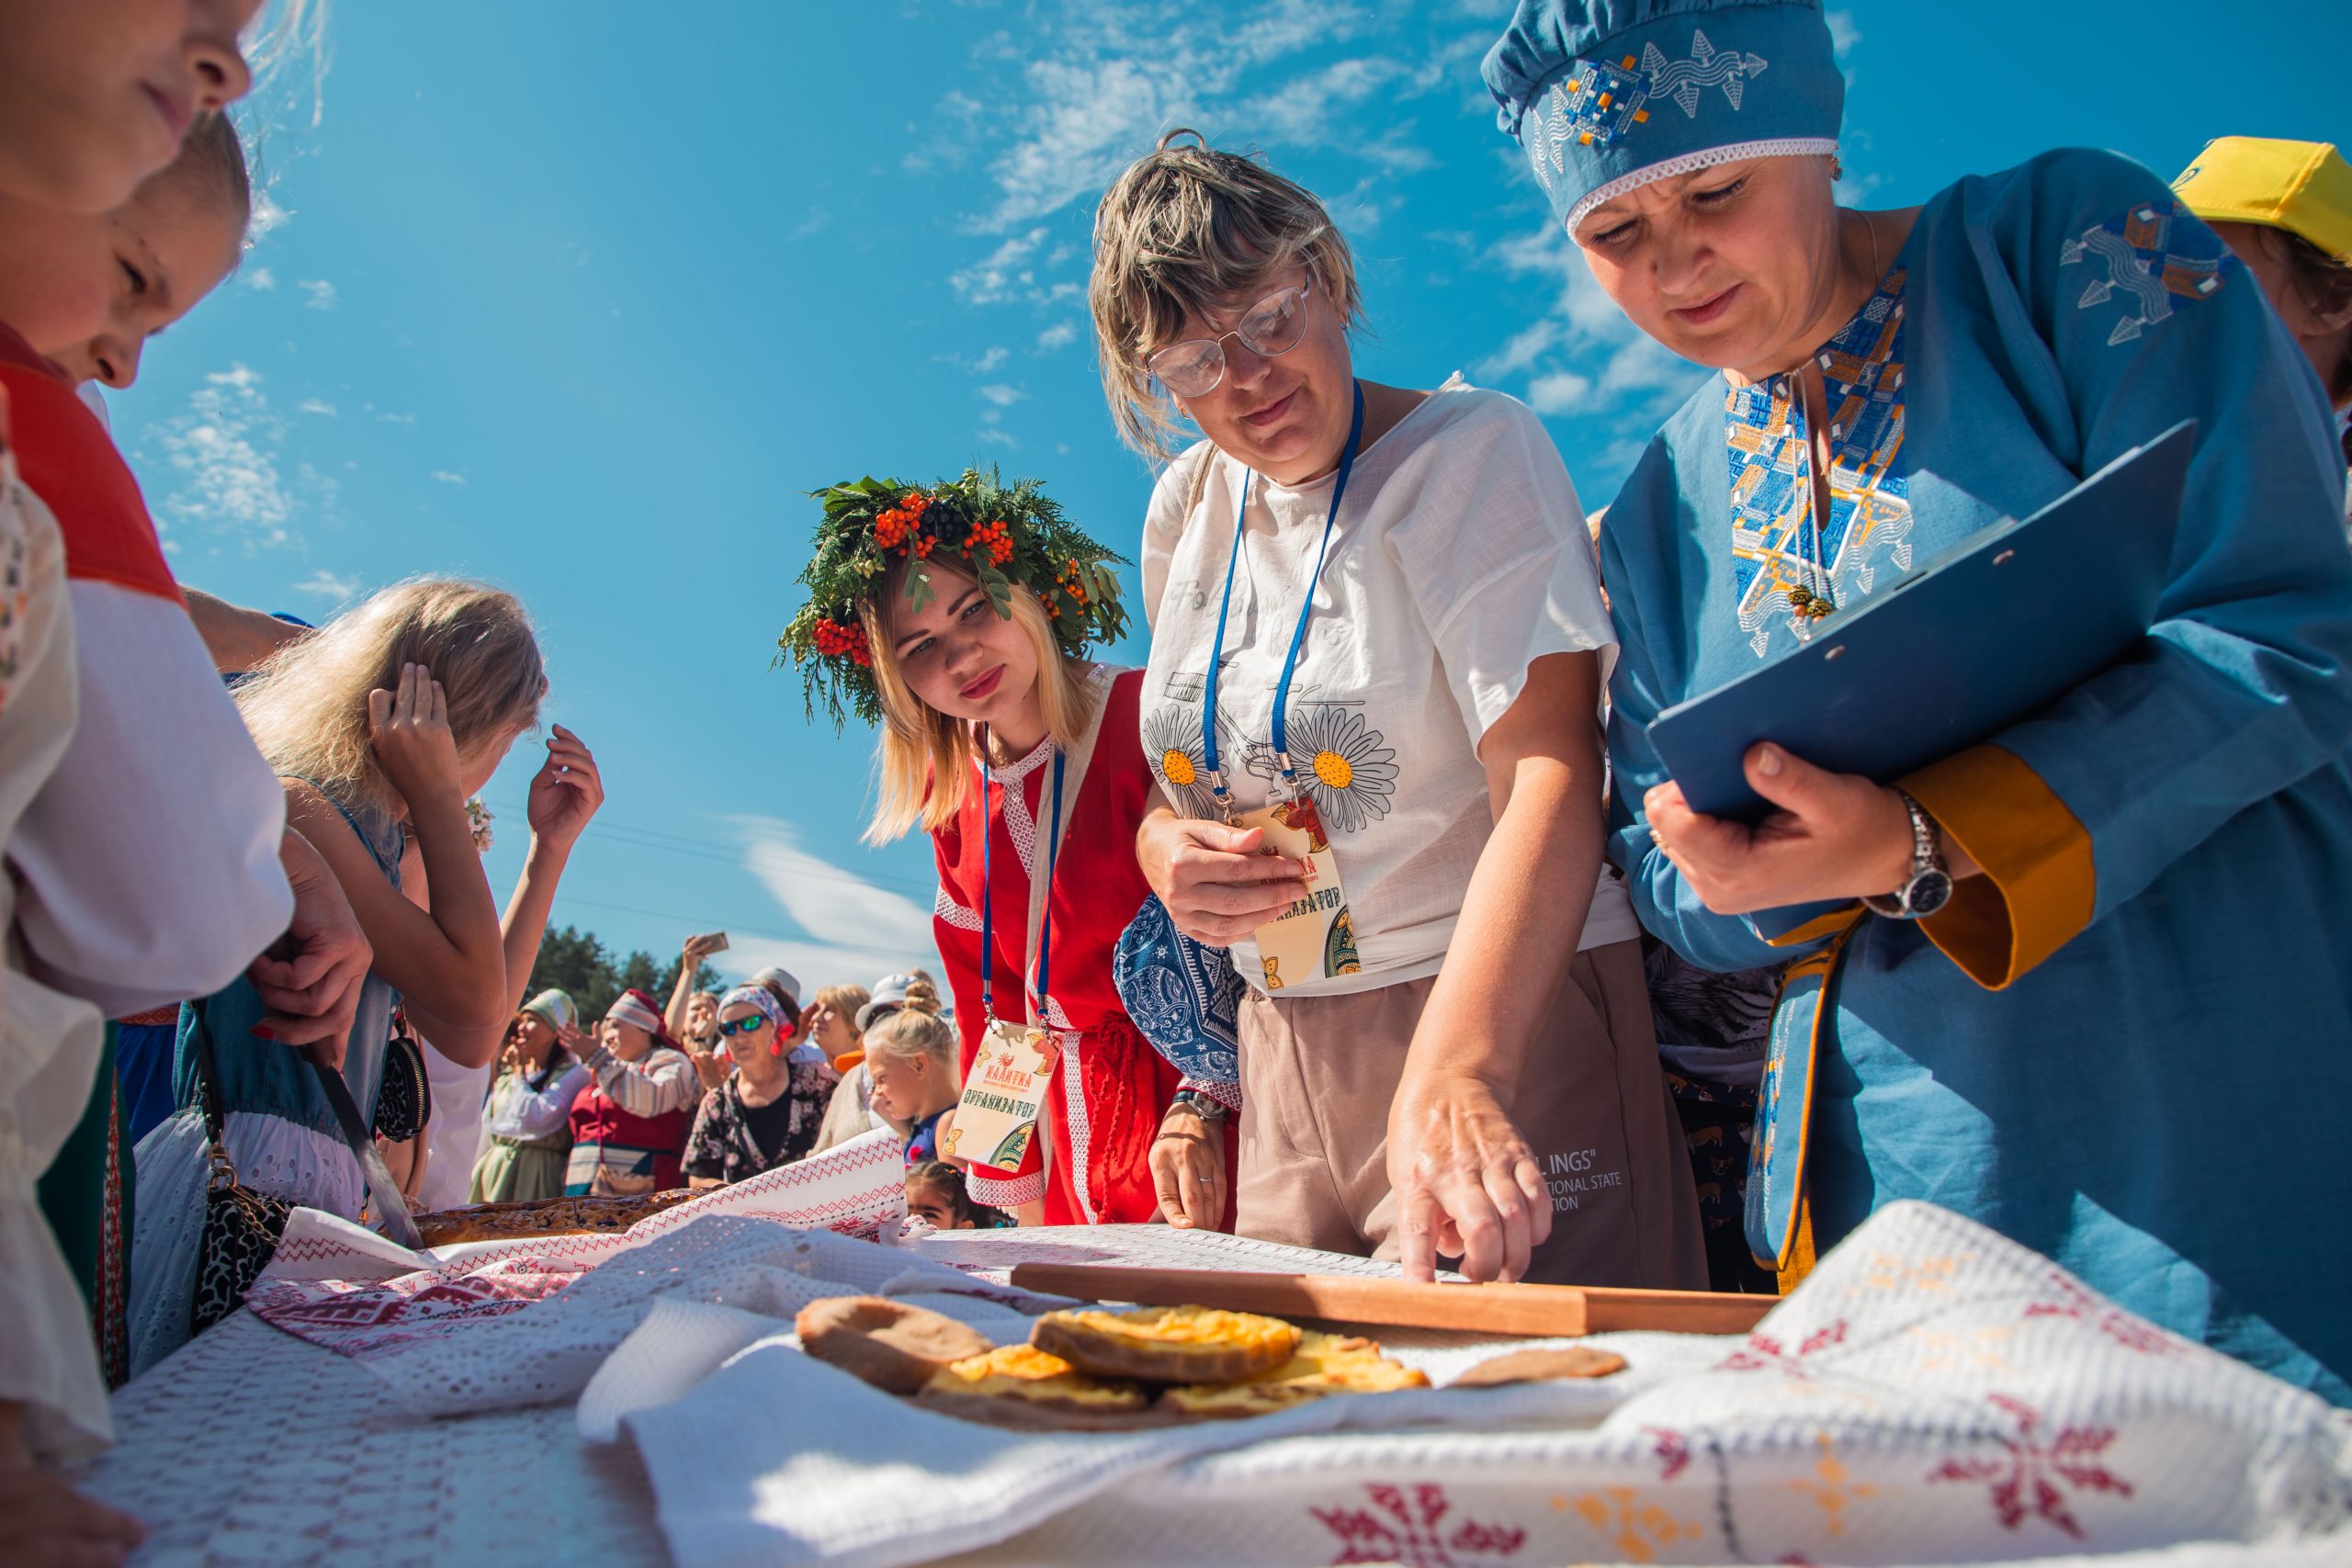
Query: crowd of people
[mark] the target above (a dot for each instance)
(1364, 917)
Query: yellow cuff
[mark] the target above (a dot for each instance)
(2040, 884)
(1820, 926)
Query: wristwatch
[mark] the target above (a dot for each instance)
(1208, 1107)
(1929, 888)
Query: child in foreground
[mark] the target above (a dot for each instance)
(379, 725)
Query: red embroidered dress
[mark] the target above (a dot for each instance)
(1091, 1161)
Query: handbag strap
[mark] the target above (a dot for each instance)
(208, 1075)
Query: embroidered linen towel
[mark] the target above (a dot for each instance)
(1931, 1388)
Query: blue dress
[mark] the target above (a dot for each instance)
(305, 1160)
(2122, 1046)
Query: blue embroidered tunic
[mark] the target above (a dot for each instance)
(2121, 1045)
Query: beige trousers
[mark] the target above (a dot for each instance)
(1317, 1076)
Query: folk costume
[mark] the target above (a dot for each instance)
(1036, 870)
(1456, 556)
(526, 1118)
(1110, 1088)
(2100, 1046)
(105, 851)
(630, 1121)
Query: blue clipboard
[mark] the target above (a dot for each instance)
(1988, 632)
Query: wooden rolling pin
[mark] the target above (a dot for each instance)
(1528, 1310)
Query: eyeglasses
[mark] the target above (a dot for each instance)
(731, 1026)
(1193, 367)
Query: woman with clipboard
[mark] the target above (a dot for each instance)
(2069, 982)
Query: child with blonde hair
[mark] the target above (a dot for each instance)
(379, 725)
(955, 617)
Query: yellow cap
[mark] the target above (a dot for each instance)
(2304, 188)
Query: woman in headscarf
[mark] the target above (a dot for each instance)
(526, 1120)
(2099, 1042)
(630, 1121)
(767, 1113)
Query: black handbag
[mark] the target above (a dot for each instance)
(241, 1227)
(404, 1104)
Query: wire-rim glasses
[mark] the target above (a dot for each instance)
(1196, 367)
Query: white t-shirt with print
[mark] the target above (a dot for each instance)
(1460, 558)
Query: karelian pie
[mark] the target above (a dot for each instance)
(544, 1217)
(1022, 1386)
(1323, 1364)
(1183, 1344)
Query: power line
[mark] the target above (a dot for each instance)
(713, 850)
(692, 922)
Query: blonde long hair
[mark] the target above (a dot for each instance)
(307, 705)
(924, 762)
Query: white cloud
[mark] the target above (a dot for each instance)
(223, 451)
(1562, 391)
(321, 293)
(1002, 396)
(858, 931)
(259, 277)
(325, 584)
(991, 361)
(318, 406)
(999, 436)
(445, 477)
(394, 418)
(1004, 273)
(817, 220)
(1061, 334)
(1844, 33)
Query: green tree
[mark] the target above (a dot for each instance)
(574, 961)
(641, 970)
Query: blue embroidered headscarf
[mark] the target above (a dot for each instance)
(1606, 96)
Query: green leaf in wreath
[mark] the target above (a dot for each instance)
(918, 588)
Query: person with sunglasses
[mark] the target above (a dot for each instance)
(1377, 630)
(767, 1113)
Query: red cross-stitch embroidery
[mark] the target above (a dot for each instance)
(2084, 1306)
(2030, 1475)
(1406, 1525)
(1762, 1352)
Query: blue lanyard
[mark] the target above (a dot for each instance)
(1297, 635)
(988, 893)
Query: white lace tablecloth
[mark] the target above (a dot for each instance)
(251, 1447)
(1933, 1394)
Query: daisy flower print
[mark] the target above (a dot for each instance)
(1343, 763)
(1171, 740)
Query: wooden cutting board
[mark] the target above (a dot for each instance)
(1527, 1310)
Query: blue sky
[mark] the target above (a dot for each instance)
(583, 298)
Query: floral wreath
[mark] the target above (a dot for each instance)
(1000, 535)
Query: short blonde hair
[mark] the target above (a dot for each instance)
(906, 1035)
(306, 705)
(1184, 231)
(925, 757)
(844, 999)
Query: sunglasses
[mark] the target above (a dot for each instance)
(751, 1025)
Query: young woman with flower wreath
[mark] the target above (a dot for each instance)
(956, 617)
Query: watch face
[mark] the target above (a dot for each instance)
(1928, 892)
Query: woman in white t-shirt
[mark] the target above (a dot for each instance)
(1450, 1050)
